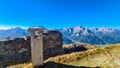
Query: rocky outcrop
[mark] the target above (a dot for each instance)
(69, 48)
(18, 50)
(52, 44)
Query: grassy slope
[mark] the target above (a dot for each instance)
(108, 56)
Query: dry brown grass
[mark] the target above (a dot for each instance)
(25, 65)
(105, 57)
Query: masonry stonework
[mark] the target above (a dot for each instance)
(18, 50)
(36, 46)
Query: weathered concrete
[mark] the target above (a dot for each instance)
(36, 46)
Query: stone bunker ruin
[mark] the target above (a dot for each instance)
(39, 46)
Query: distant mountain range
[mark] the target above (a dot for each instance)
(13, 33)
(91, 35)
(74, 34)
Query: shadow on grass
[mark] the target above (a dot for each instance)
(58, 65)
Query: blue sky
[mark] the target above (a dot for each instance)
(59, 13)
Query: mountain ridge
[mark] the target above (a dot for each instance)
(92, 35)
(80, 34)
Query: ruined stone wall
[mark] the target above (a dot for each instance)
(18, 50)
(52, 44)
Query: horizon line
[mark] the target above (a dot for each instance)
(10, 27)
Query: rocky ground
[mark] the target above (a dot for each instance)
(69, 48)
